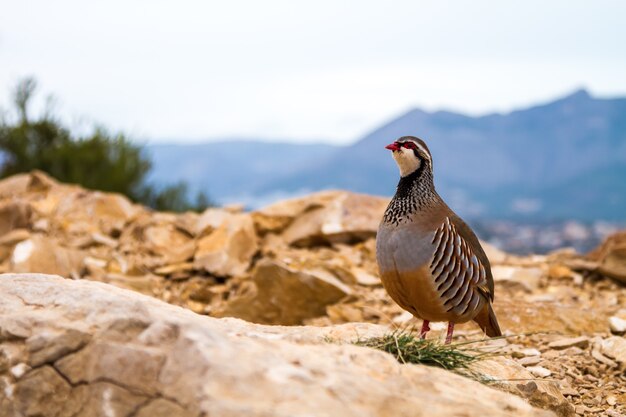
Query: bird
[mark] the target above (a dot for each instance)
(430, 261)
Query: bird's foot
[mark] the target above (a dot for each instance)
(425, 329)
(449, 334)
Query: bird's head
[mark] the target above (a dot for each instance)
(410, 153)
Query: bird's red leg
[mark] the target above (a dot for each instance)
(450, 331)
(425, 329)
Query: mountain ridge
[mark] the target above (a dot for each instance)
(483, 164)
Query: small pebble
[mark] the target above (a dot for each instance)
(524, 353)
(570, 391)
(581, 342)
(581, 410)
(530, 361)
(611, 400)
(19, 370)
(617, 325)
(539, 371)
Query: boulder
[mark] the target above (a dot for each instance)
(228, 250)
(45, 255)
(615, 348)
(509, 376)
(14, 214)
(158, 235)
(84, 211)
(142, 357)
(278, 293)
(519, 316)
(610, 256)
(322, 218)
(20, 184)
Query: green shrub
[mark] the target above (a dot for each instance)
(100, 160)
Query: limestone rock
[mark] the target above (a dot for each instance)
(281, 294)
(617, 323)
(159, 235)
(615, 348)
(581, 342)
(85, 212)
(13, 215)
(518, 278)
(211, 219)
(228, 250)
(20, 184)
(539, 371)
(42, 254)
(147, 358)
(47, 347)
(539, 316)
(325, 217)
(495, 255)
(611, 256)
(507, 375)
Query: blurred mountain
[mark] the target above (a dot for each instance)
(234, 171)
(563, 159)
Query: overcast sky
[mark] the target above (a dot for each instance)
(317, 70)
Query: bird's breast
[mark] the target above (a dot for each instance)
(404, 256)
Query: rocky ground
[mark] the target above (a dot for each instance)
(307, 262)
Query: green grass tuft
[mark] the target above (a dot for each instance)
(407, 348)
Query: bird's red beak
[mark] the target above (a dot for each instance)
(393, 146)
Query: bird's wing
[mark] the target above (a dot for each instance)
(460, 267)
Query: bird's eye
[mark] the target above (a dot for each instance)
(409, 145)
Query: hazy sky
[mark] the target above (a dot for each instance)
(331, 70)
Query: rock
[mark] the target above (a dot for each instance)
(47, 347)
(558, 271)
(614, 347)
(610, 256)
(147, 358)
(211, 219)
(522, 278)
(16, 185)
(530, 361)
(8, 241)
(100, 396)
(228, 250)
(325, 217)
(581, 342)
(19, 370)
(14, 214)
(14, 236)
(522, 316)
(595, 353)
(160, 236)
(281, 294)
(523, 353)
(509, 376)
(363, 277)
(161, 407)
(495, 255)
(539, 371)
(42, 254)
(42, 392)
(89, 212)
(617, 323)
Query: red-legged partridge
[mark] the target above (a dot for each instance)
(430, 261)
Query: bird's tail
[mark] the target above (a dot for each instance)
(488, 321)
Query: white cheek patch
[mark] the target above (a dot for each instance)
(407, 161)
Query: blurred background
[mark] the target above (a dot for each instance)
(188, 104)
